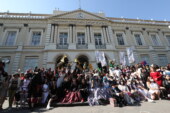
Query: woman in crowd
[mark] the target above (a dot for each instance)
(157, 77)
(24, 90)
(166, 84)
(153, 89)
(122, 86)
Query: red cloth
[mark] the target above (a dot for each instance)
(157, 77)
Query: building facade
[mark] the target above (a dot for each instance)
(29, 40)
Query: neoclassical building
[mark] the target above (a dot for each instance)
(28, 40)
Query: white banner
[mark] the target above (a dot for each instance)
(122, 58)
(130, 55)
(97, 54)
(103, 59)
(100, 57)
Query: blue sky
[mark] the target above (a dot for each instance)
(143, 9)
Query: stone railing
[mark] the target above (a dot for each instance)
(82, 46)
(103, 46)
(62, 46)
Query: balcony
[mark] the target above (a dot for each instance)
(82, 46)
(103, 46)
(62, 46)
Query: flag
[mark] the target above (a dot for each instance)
(122, 58)
(100, 57)
(97, 54)
(103, 59)
(130, 55)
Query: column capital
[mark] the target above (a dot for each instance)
(104, 26)
(54, 24)
(88, 25)
(72, 25)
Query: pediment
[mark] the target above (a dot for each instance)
(80, 14)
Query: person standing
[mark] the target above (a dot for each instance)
(14, 85)
(3, 84)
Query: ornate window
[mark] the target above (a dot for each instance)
(168, 39)
(98, 38)
(155, 40)
(11, 36)
(120, 39)
(36, 37)
(138, 39)
(81, 38)
(30, 63)
(63, 38)
(162, 58)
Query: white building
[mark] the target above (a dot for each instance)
(29, 40)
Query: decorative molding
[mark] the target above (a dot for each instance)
(37, 28)
(12, 27)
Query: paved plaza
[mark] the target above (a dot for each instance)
(161, 106)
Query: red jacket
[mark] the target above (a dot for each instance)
(157, 77)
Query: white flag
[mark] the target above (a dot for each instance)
(122, 58)
(97, 54)
(102, 59)
(130, 55)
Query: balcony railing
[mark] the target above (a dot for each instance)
(82, 46)
(62, 46)
(103, 46)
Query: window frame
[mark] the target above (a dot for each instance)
(32, 44)
(30, 57)
(124, 38)
(168, 41)
(159, 61)
(6, 36)
(157, 38)
(31, 34)
(81, 39)
(63, 40)
(99, 40)
(141, 37)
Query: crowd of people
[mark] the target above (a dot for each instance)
(116, 85)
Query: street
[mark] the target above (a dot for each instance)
(160, 106)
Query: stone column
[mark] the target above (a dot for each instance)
(162, 39)
(74, 34)
(16, 63)
(88, 33)
(86, 36)
(52, 34)
(56, 34)
(108, 35)
(45, 59)
(154, 57)
(146, 38)
(48, 34)
(91, 35)
(111, 36)
(104, 35)
(129, 38)
(70, 33)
